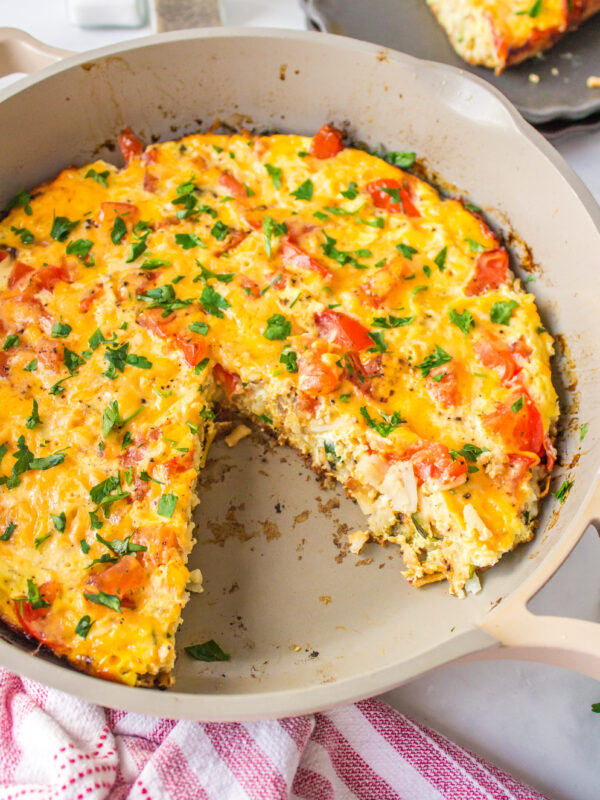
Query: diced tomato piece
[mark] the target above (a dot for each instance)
(153, 320)
(520, 348)
(161, 541)
(432, 461)
(140, 489)
(86, 302)
(121, 578)
(49, 276)
(519, 467)
(48, 353)
(379, 285)
(495, 354)
(3, 254)
(295, 258)
(235, 238)
(132, 456)
(360, 373)
(3, 364)
(30, 618)
(179, 464)
(19, 271)
(250, 287)
(109, 211)
(491, 271)
(444, 389)
(385, 200)
(193, 349)
(229, 381)
(151, 156)
(345, 331)
(129, 145)
(520, 430)
(327, 143)
(150, 182)
(232, 185)
(315, 376)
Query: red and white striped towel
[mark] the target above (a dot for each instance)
(56, 747)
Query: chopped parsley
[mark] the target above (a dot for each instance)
(289, 359)
(61, 226)
(418, 289)
(533, 10)
(463, 320)
(119, 230)
(84, 626)
(502, 311)
(39, 540)
(278, 327)
(406, 250)
(562, 491)
(154, 263)
(342, 257)
(8, 532)
(402, 159)
(379, 342)
(58, 388)
(141, 362)
(329, 448)
(99, 177)
(22, 199)
(266, 419)
(25, 235)
(25, 461)
(34, 598)
(440, 259)
(60, 330)
(474, 247)
(121, 547)
(59, 521)
(518, 404)
(213, 302)
(12, 340)
(199, 327)
(31, 366)
(271, 284)
(79, 247)
(164, 297)
(34, 418)
(272, 228)
(389, 424)
(207, 651)
(351, 192)
(107, 492)
(392, 322)
(470, 452)
(111, 601)
(95, 525)
(583, 431)
(304, 191)
(72, 361)
(188, 240)
(111, 418)
(205, 274)
(433, 360)
(275, 174)
(166, 505)
(219, 230)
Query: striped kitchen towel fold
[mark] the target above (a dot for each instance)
(56, 747)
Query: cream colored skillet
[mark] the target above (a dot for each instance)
(307, 627)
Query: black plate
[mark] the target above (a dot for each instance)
(409, 26)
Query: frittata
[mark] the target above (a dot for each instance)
(322, 291)
(499, 33)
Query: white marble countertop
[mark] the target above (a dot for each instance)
(533, 720)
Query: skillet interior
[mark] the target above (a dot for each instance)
(376, 631)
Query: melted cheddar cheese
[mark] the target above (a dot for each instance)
(318, 289)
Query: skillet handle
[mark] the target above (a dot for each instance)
(559, 641)
(20, 52)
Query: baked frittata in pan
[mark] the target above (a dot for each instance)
(320, 290)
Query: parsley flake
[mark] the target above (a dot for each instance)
(463, 320)
(433, 360)
(502, 311)
(304, 191)
(207, 651)
(166, 505)
(278, 327)
(562, 491)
